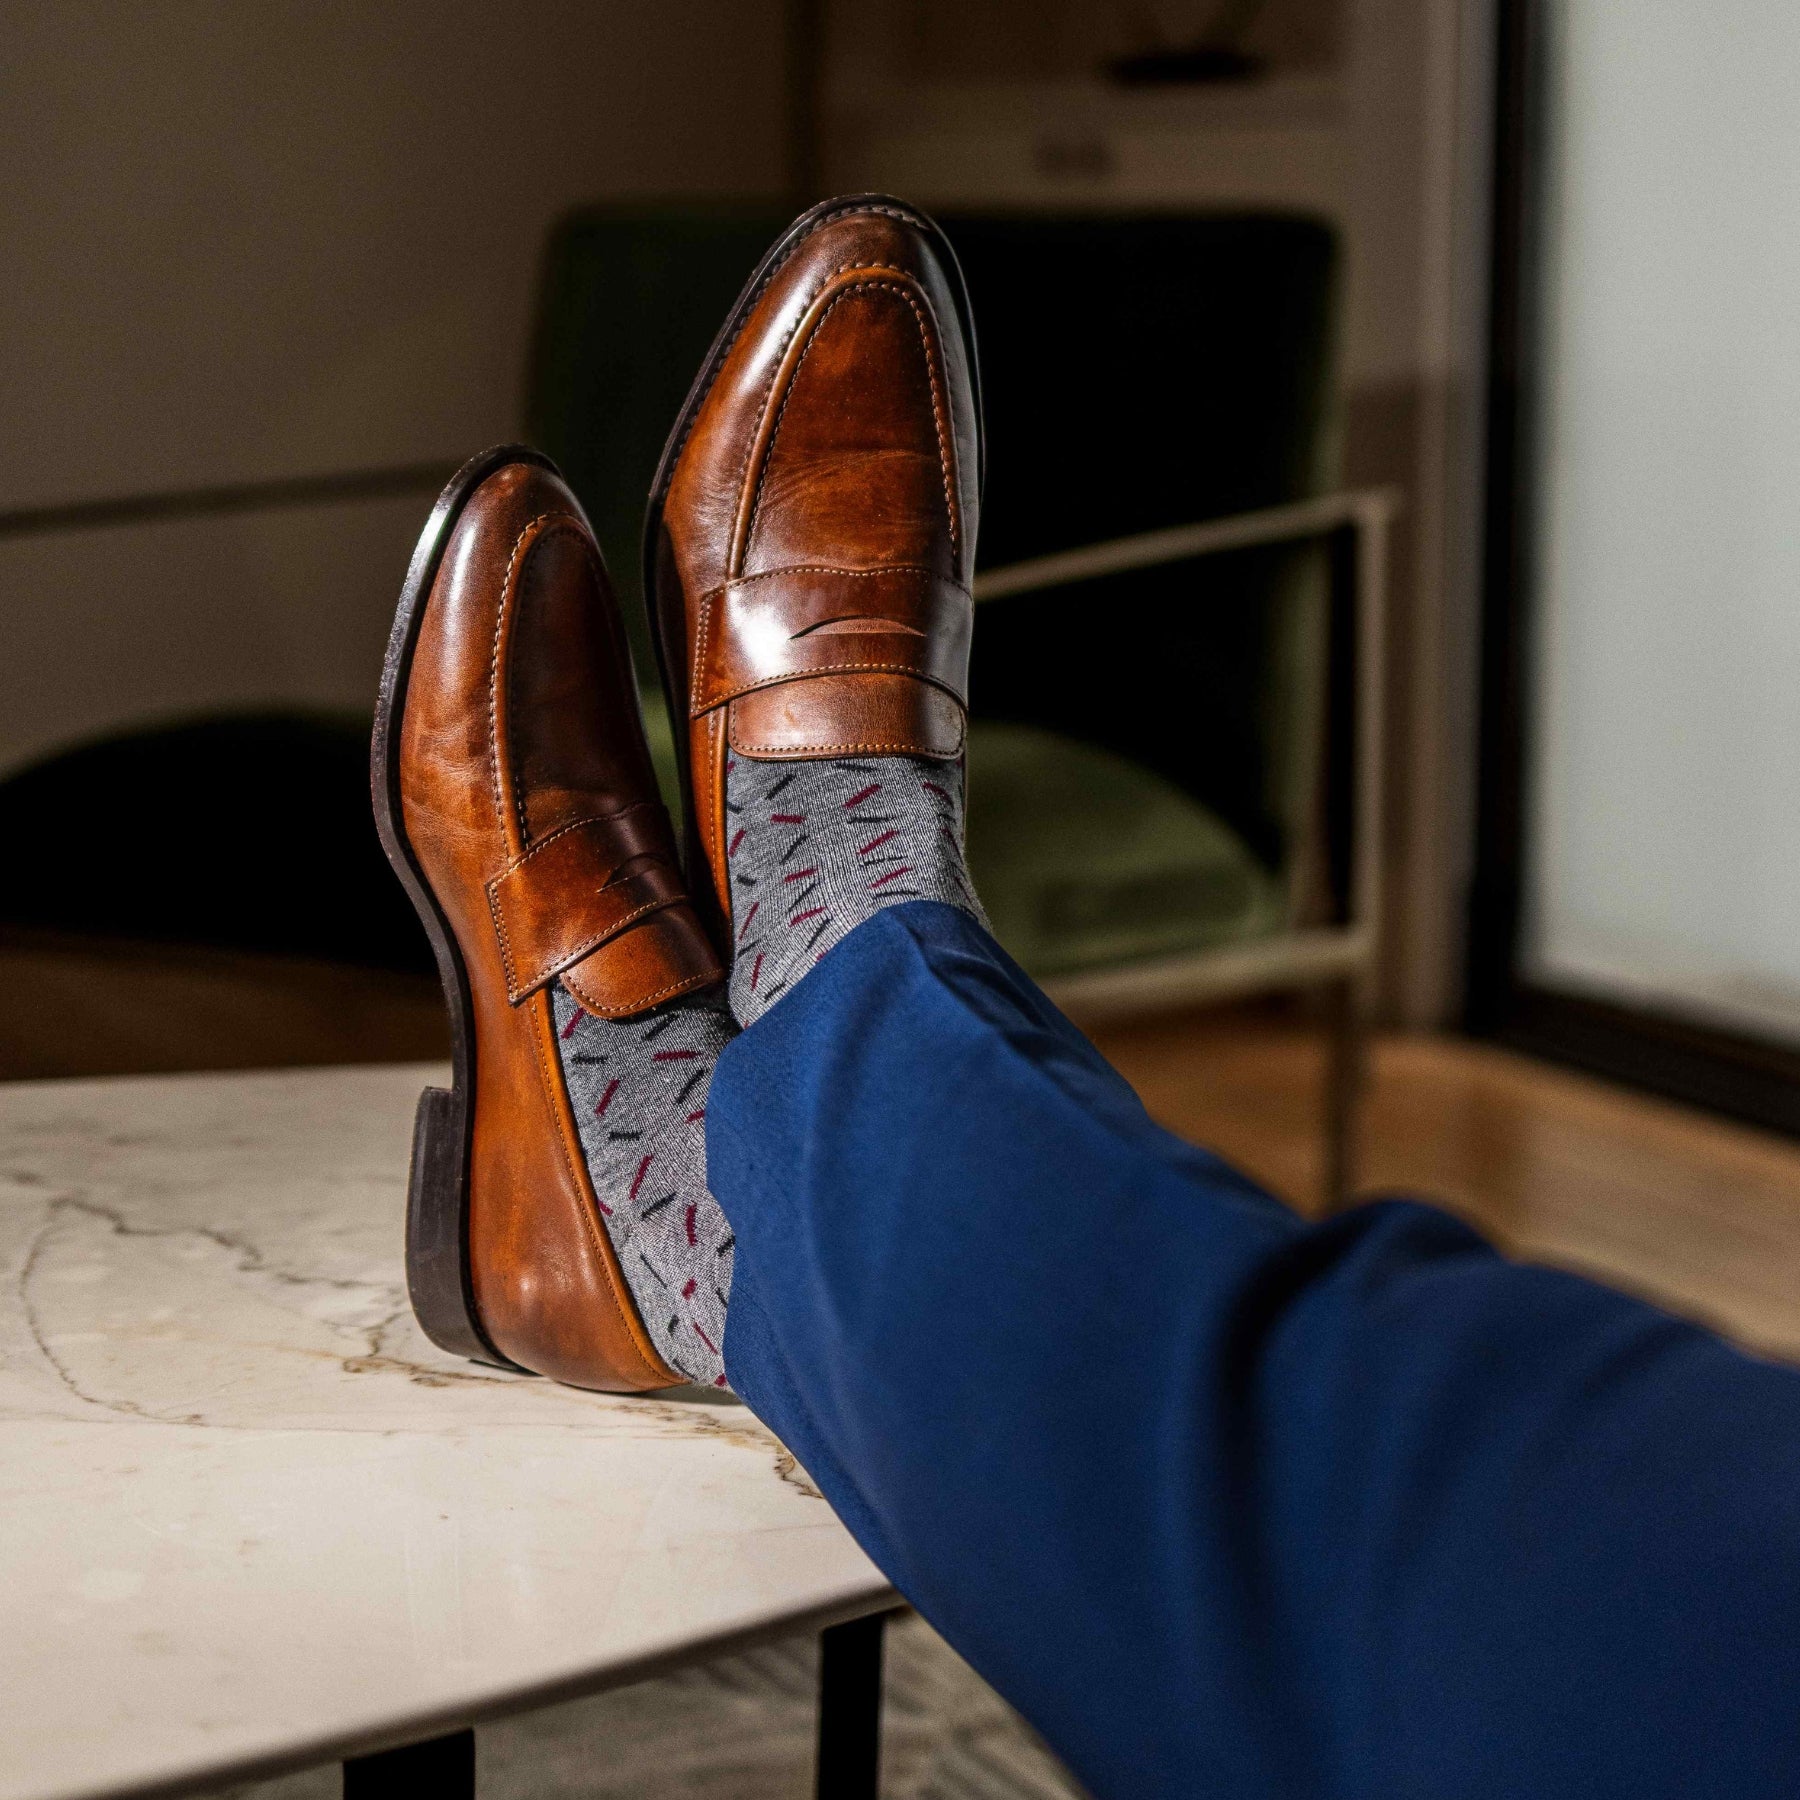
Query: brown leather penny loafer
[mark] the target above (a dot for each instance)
(515, 798)
(811, 534)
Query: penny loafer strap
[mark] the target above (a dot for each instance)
(791, 624)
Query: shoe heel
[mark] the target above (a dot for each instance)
(437, 1229)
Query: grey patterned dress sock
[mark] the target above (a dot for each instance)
(638, 1089)
(814, 848)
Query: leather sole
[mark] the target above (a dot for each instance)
(439, 1280)
(675, 692)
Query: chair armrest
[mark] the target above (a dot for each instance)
(1359, 582)
(1366, 511)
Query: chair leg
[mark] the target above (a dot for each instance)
(1346, 1076)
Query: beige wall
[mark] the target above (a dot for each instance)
(252, 242)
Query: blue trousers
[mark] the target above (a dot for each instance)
(1225, 1503)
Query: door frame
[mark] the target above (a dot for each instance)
(1733, 1073)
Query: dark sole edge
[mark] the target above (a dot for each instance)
(674, 696)
(439, 1281)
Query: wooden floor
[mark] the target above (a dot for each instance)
(1694, 1212)
(1697, 1213)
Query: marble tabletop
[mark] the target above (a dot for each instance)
(251, 1519)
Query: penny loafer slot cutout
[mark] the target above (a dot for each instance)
(578, 889)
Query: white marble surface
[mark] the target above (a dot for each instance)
(250, 1518)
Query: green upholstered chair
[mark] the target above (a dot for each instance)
(628, 303)
(1175, 689)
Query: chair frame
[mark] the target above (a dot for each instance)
(1339, 959)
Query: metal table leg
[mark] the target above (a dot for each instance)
(441, 1768)
(850, 1710)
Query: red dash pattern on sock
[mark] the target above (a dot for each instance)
(874, 787)
(787, 818)
(693, 1208)
(731, 849)
(799, 874)
(637, 1181)
(891, 875)
(694, 1118)
(812, 912)
(568, 1031)
(931, 787)
(714, 1348)
(755, 907)
(877, 842)
(674, 1055)
(756, 972)
(687, 1291)
(606, 1099)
